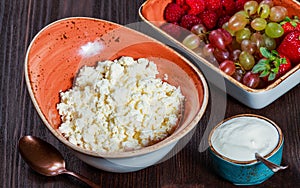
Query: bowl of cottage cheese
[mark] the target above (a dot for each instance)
(119, 106)
(120, 100)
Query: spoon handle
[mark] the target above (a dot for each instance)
(82, 178)
(270, 165)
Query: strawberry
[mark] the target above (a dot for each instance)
(287, 27)
(289, 24)
(173, 12)
(196, 6)
(189, 20)
(290, 46)
(213, 5)
(272, 66)
(228, 7)
(209, 19)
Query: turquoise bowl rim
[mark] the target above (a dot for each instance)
(279, 144)
(275, 155)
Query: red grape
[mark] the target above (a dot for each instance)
(220, 38)
(228, 67)
(226, 36)
(208, 50)
(238, 75)
(234, 56)
(249, 46)
(221, 55)
(251, 79)
(216, 39)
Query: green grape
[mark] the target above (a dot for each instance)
(251, 7)
(247, 60)
(274, 30)
(225, 26)
(258, 39)
(192, 41)
(259, 24)
(268, 2)
(242, 34)
(277, 13)
(243, 13)
(237, 21)
(270, 43)
(263, 10)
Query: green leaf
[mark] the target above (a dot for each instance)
(294, 24)
(264, 73)
(265, 52)
(277, 62)
(274, 52)
(275, 70)
(271, 76)
(261, 66)
(283, 61)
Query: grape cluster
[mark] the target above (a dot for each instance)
(236, 45)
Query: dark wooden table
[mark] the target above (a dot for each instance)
(20, 20)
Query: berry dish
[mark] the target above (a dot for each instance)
(253, 45)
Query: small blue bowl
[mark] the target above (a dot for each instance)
(245, 172)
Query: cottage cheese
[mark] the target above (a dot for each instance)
(119, 106)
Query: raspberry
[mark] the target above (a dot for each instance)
(228, 7)
(209, 19)
(183, 5)
(189, 20)
(173, 12)
(180, 2)
(196, 6)
(213, 5)
(172, 29)
(239, 4)
(223, 20)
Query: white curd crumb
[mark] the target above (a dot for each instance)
(119, 106)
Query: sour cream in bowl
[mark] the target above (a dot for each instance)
(234, 142)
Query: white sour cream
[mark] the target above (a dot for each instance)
(239, 138)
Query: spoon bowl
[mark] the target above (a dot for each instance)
(45, 159)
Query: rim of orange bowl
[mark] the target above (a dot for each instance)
(213, 67)
(167, 141)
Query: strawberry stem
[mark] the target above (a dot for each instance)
(269, 65)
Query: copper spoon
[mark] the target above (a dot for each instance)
(269, 164)
(46, 159)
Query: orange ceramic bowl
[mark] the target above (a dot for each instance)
(59, 50)
(152, 12)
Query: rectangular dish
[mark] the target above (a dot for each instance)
(152, 13)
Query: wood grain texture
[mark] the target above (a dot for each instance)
(20, 20)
